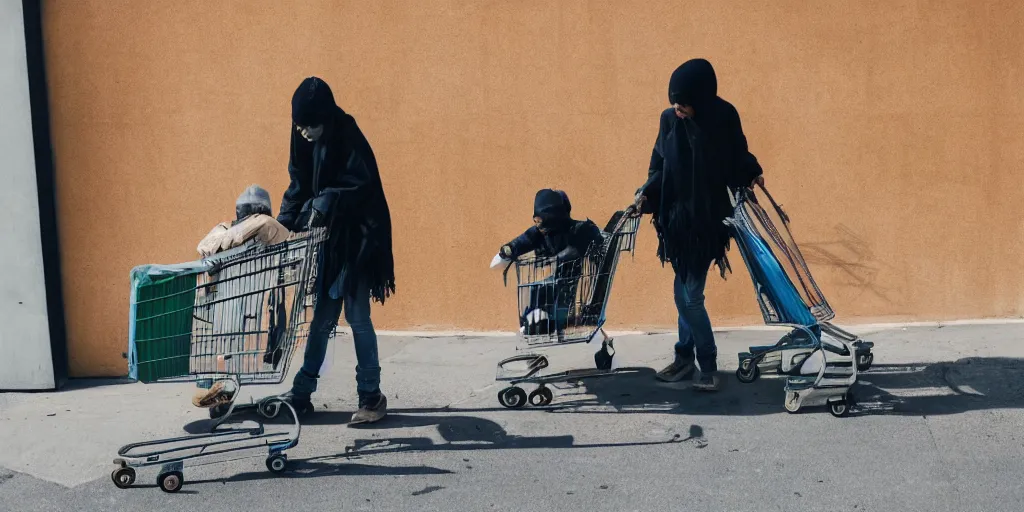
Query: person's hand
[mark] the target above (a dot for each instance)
(758, 181)
(505, 252)
(639, 199)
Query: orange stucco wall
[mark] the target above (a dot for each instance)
(890, 131)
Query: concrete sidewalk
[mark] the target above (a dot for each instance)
(966, 382)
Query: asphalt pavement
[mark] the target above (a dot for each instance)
(939, 427)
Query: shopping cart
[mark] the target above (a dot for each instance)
(232, 319)
(820, 360)
(562, 303)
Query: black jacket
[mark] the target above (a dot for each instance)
(567, 244)
(337, 175)
(693, 165)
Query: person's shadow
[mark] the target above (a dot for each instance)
(458, 433)
(975, 383)
(954, 387)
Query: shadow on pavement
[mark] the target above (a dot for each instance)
(458, 433)
(968, 384)
(924, 389)
(976, 383)
(315, 468)
(463, 434)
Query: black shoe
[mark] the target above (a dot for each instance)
(706, 382)
(301, 403)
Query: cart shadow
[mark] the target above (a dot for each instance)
(925, 389)
(943, 388)
(936, 389)
(640, 393)
(451, 433)
(459, 433)
(316, 468)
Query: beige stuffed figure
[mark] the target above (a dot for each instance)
(253, 220)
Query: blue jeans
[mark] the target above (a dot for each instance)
(325, 318)
(695, 335)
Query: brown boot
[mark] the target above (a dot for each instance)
(371, 409)
(221, 392)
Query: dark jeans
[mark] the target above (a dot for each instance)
(695, 335)
(552, 296)
(325, 317)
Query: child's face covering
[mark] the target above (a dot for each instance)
(539, 222)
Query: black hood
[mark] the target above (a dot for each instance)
(313, 102)
(552, 206)
(694, 83)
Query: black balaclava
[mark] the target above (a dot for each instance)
(312, 103)
(552, 206)
(694, 83)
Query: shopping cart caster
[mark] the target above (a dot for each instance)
(840, 407)
(123, 477)
(603, 358)
(792, 402)
(270, 409)
(170, 482)
(748, 371)
(864, 361)
(512, 397)
(277, 463)
(541, 396)
(301, 406)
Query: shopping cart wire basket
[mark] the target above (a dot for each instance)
(237, 316)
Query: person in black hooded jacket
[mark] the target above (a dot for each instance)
(335, 184)
(555, 234)
(700, 153)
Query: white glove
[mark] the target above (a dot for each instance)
(499, 261)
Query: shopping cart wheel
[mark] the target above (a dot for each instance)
(512, 397)
(839, 408)
(123, 477)
(792, 402)
(864, 362)
(748, 374)
(170, 482)
(277, 463)
(269, 409)
(541, 396)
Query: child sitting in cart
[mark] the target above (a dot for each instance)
(555, 234)
(253, 221)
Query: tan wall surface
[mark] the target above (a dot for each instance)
(890, 131)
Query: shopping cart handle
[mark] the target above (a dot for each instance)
(777, 206)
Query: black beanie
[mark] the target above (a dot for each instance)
(312, 103)
(693, 83)
(551, 205)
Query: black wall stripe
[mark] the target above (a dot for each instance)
(38, 97)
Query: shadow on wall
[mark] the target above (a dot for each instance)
(852, 256)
